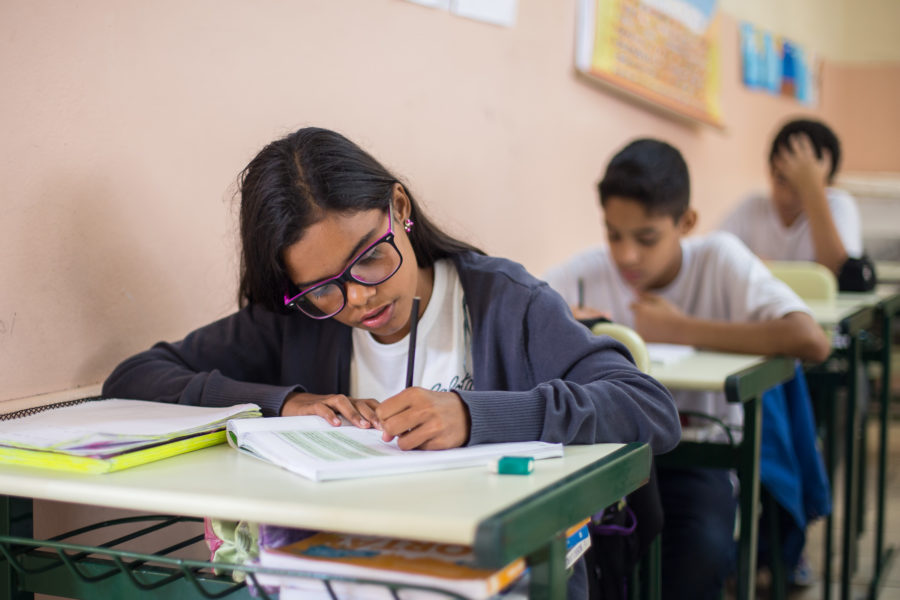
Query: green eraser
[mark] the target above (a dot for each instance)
(514, 465)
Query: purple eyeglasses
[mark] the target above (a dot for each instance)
(375, 264)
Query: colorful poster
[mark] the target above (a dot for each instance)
(779, 66)
(662, 51)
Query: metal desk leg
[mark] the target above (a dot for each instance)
(849, 545)
(16, 520)
(748, 473)
(776, 556)
(548, 570)
(830, 464)
(883, 556)
(647, 577)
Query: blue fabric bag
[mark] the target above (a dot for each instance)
(791, 465)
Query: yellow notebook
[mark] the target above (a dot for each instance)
(90, 464)
(94, 435)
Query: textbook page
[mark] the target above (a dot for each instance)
(666, 354)
(311, 447)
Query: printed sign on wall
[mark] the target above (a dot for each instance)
(662, 51)
(779, 66)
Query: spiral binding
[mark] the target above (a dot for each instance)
(27, 412)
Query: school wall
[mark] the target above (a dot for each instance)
(125, 123)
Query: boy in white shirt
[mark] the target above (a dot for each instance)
(708, 291)
(803, 218)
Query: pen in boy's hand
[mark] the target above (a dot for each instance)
(413, 325)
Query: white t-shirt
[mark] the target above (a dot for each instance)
(719, 279)
(755, 221)
(443, 359)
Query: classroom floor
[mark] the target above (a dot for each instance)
(890, 589)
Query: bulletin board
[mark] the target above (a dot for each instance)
(666, 52)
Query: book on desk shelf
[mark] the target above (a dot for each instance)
(310, 446)
(440, 566)
(578, 540)
(93, 435)
(391, 560)
(342, 590)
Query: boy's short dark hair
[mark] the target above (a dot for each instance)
(821, 136)
(652, 173)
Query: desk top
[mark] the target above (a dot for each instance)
(704, 370)
(221, 482)
(888, 271)
(829, 314)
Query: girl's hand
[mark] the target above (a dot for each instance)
(360, 412)
(425, 420)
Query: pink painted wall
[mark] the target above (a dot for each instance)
(863, 103)
(124, 124)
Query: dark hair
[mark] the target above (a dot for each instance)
(650, 172)
(821, 136)
(291, 184)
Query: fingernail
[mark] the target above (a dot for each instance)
(363, 423)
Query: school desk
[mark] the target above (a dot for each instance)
(743, 378)
(887, 271)
(501, 516)
(853, 321)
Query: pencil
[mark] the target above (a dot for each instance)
(413, 325)
(580, 292)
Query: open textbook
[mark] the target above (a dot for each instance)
(92, 435)
(313, 448)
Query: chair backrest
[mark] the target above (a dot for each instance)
(630, 338)
(810, 280)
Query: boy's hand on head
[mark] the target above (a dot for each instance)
(799, 164)
(424, 420)
(656, 319)
(360, 412)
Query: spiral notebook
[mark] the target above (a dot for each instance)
(94, 435)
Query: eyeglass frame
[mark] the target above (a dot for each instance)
(344, 276)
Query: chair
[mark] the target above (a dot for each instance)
(630, 338)
(644, 583)
(810, 280)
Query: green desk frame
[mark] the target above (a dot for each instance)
(842, 370)
(887, 309)
(533, 526)
(747, 387)
(861, 331)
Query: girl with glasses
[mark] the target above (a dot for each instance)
(334, 249)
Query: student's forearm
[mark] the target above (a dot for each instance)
(796, 334)
(827, 243)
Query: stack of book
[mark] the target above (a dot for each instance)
(417, 570)
(93, 435)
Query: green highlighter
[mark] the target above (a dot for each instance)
(514, 465)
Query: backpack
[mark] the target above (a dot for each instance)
(857, 275)
(620, 537)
